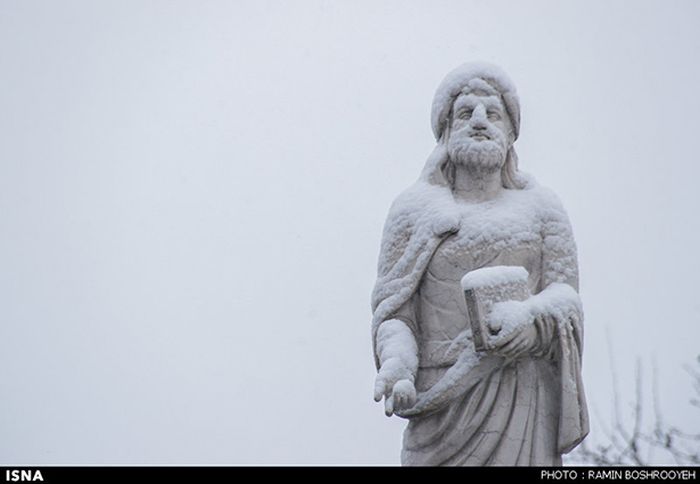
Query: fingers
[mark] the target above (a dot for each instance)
(399, 400)
(379, 389)
(550, 327)
(404, 394)
(389, 405)
(525, 340)
(397, 396)
(512, 343)
(512, 350)
(520, 349)
(499, 344)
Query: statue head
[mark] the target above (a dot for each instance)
(476, 119)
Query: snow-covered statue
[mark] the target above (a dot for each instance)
(477, 323)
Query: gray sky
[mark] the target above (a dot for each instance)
(192, 196)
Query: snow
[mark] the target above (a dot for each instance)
(448, 387)
(424, 213)
(516, 218)
(397, 351)
(458, 78)
(494, 276)
(558, 300)
(531, 218)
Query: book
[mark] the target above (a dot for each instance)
(482, 289)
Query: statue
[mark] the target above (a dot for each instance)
(474, 221)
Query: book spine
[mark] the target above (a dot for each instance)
(475, 320)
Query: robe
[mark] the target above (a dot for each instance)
(477, 408)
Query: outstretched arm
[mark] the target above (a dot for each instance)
(397, 352)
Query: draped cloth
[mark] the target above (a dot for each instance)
(489, 412)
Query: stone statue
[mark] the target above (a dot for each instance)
(519, 401)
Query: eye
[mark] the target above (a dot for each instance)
(494, 115)
(465, 114)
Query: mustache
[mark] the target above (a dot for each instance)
(484, 153)
(491, 133)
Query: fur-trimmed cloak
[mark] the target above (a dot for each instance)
(418, 222)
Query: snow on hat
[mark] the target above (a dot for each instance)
(458, 78)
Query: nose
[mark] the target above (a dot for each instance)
(478, 119)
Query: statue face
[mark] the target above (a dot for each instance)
(481, 132)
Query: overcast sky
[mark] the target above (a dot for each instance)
(192, 196)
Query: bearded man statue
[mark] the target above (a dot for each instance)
(521, 401)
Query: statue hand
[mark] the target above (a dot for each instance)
(521, 341)
(403, 397)
(395, 384)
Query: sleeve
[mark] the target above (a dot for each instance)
(560, 283)
(397, 345)
(559, 266)
(559, 253)
(407, 314)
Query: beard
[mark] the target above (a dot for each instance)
(478, 157)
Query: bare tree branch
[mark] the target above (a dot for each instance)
(641, 445)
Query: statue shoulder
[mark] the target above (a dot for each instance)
(420, 195)
(546, 201)
(424, 206)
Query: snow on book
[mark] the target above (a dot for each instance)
(482, 289)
